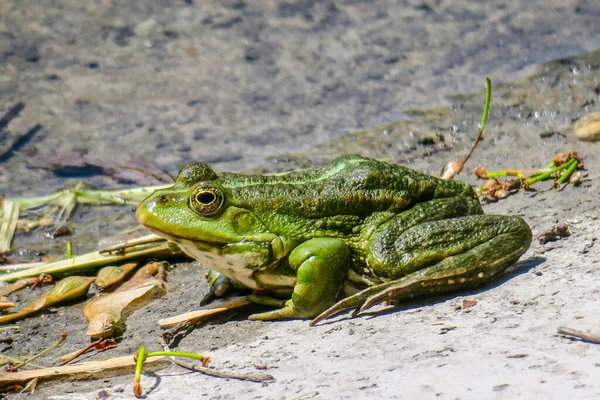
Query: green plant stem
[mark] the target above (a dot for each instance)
(141, 357)
(514, 172)
(193, 356)
(568, 172)
(486, 110)
(549, 173)
(69, 250)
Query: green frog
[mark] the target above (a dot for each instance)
(358, 229)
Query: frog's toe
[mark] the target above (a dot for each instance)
(286, 312)
(355, 301)
(378, 298)
(208, 297)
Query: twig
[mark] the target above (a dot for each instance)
(583, 336)
(305, 394)
(217, 373)
(72, 356)
(55, 345)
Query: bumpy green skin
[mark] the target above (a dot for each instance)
(301, 232)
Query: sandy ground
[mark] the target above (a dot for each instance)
(271, 86)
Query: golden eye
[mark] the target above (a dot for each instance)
(206, 200)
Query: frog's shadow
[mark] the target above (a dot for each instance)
(511, 272)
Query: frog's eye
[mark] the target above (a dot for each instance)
(206, 200)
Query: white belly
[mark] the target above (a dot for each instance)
(233, 266)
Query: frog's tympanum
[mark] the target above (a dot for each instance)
(356, 228)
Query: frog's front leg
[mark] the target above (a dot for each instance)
(220, 285)
(321, 266)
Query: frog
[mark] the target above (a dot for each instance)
(351, 234)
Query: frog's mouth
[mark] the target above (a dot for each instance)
(206, 244)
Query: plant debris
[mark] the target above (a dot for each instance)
(60, 341)
(10, 217)
(67, 289)
(580, 335)
(208, 310)
(99, 345)
(55, 209)
(111, 275)
(32, 282)
(556, 232)
(87, 368)
(141, 247)
(454, 168)
(562, 168)
(106, 313)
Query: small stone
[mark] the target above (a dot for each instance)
(144, 28)
(588, 127)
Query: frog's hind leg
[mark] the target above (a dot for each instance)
(442, 256)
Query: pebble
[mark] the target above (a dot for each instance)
(588, 127)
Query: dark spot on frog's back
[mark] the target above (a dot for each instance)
(195, 172)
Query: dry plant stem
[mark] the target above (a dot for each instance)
(10, 216)
(13, 360)
(21, 267)
(301, 395)
(31, 385)
(63, 337)
(10, 328)
(211, 309)
(78, 353)
(128, 244)
(88, 261)
(217, 373)
(90, 196)
(583, 336)
(90, 367)
(486, 109)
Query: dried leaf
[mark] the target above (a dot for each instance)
(108, 276)
(67, 289)
(144, 276)
(106, 314)
(18, 285)
(565, 156)
(468, 303)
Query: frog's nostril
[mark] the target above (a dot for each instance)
(164, 199)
